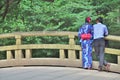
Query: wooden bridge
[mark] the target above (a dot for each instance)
(20, 54)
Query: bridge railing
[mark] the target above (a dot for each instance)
(16, 57)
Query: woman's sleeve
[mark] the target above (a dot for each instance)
(92, 31)
(80, 32)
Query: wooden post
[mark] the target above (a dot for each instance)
(9, 55)
(18, 39)
(62, 54)
(80, 56)
(28, 54)
(71, 40)
(118, 60)
(71, 53)
(18, 53)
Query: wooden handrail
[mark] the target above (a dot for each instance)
(71, 47)
(51, 33)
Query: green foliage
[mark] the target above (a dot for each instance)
(55, 15)
(33, 15)
(42, 53)
(2, 55)
(58, 15)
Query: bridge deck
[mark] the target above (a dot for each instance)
(54, 73)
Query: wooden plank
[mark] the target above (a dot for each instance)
(112, 51)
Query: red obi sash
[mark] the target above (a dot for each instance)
(86, 36)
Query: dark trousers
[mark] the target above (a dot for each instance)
(99, 46)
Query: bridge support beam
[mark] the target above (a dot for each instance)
(18, 53)
(118, 60)
(80, 56)
(71, 53)
(62, 54)
(28, 53)
(9, 55)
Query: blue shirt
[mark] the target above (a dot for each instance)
(100, 30)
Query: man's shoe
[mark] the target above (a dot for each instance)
(100, 69)
(107, 67)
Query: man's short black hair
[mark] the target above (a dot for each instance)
(100, 19)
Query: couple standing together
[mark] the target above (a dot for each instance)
(93, 34)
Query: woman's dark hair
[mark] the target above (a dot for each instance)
(100, 19)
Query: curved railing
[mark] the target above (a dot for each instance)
(71, 47)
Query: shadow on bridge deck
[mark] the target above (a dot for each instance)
(54, 73)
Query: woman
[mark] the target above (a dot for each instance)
(86, 38)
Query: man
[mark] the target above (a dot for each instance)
(100, 31)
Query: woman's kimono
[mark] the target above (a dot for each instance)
(86, 45)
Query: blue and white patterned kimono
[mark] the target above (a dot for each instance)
(86, 45)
